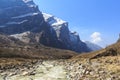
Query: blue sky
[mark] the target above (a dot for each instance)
(97, 21)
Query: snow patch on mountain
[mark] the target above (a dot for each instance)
(26, 15)
(22, 36)
(17, 22)
(52, 20)
(32, 6)
(1, 26)
(47, 16)
(26, 1)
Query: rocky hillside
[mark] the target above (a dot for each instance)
(112, 50)
(99, 65)
(102, 68)
(23, 20)
(14, 48)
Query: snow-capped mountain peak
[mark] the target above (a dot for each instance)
(64, 35)
(52, 20)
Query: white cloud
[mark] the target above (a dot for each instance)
(96, 37)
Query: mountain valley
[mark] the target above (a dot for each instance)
(39, 46)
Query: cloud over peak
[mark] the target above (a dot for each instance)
(96, 37)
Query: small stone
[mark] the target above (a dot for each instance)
(32, 73)
(24, 73)
(83, 71)
(108, 79)
(86, 79)
(87, 72)
(91, 73)
(101, 72)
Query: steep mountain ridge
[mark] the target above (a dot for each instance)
(70, 39)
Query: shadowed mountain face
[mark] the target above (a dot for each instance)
(17, 16)
(23, 20)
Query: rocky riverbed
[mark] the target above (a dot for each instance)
(41, 70)
(106, 68)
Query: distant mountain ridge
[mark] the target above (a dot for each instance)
(92, 46)
(23, 20)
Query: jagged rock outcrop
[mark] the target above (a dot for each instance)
(23, 20)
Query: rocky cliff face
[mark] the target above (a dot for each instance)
(21, 16)
(23, 20)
